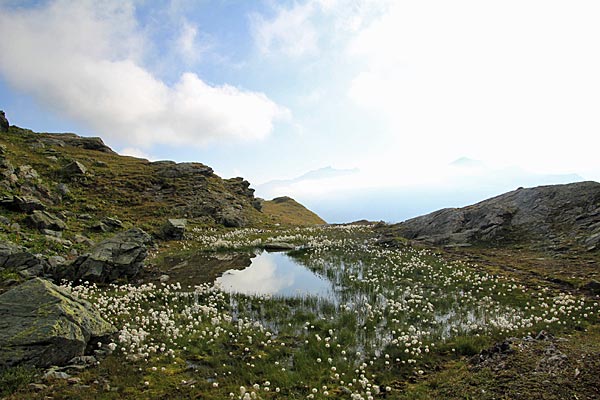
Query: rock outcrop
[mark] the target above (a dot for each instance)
(119, 257)
(43, 220)
(4, 125)
(22, 203)
(18, 259)
(551, 216)
(42, 324)
(173, 229)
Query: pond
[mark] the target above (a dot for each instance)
(276, 274)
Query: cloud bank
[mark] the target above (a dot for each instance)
(85, 60)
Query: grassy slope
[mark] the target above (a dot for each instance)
(290, 212)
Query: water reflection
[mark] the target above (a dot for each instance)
(275, 274)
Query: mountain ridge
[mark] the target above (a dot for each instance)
(551, 216)
(78, 176)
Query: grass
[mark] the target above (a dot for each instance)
(12, 379)
(404, 324)
(287, 211)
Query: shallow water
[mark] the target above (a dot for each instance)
(276, 274)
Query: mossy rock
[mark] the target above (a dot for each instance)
(42, 324)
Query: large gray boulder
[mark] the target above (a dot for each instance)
(18, 259)
(42, 324)
(119, 257)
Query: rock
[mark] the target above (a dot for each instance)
(170, 169)
(278, 246)
(56, 261)
(3, 122)
(38, 387)
(75, 169)
(106, 225)
(174, 229)
(257, 204)
(231, 218)
(112, 223)
(42, 324)
(27, 172)
(164, 278)
(118, 257)
(18, 259)
(63, 189)
(52, 374)
(82, 239)
(63, 242)
(593, 241)
(45, 220)
(592, 286)
(239, 186)
(49, 232)
(89, 143)
(22, 203)
(98, 227)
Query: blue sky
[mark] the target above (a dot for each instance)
(272, 89)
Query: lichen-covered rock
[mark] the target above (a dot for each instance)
(44, 220)
(118, 257)
(42, 324)
(174, 229)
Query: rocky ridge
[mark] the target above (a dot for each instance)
(556, 217)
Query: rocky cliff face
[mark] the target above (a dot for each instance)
(556, 216)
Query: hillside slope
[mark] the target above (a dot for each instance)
(553, 217)
(86, 185)
(288, 211)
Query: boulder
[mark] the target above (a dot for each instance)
(119, 257)
(3, 122)
(278, 246)
(42, 324)
(74, 169)
(20, 260)
(106, 225)
(174, 229)
(44, 220)
(21, 203)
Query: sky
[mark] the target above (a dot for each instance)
(394, 91)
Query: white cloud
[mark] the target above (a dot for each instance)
(84, 59)
(290, 32)
(513, 82)
(135, 152)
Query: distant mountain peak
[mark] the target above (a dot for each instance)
(466, 162)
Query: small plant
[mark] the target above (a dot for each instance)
(13, 379)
